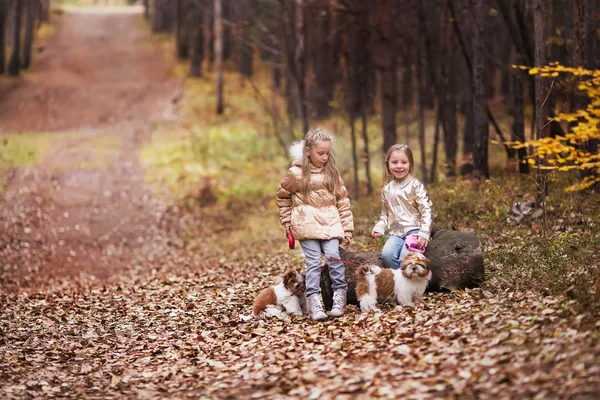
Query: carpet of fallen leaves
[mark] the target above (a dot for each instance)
(178, 332)
(101, 296)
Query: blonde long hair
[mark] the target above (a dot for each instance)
(401, 148)
(330, 171)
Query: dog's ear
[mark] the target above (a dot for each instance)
(288, 276)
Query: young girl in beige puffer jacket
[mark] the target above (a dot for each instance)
(313, 203)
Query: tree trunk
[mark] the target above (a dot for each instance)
(276, 73)
(3, 16)
(480, 116)
(407, 80)
(456, 263)
(208, 37)
(352, 123)
(196, 50)
(386, 63)
(157, 16)
(584, 56)
(146, 10)
(366, 153)
(181, 31)
(324, 62)
(421, 111)
(436, 140)
(219, 55)
(541, 89)
(451, 130)
(14, 65)
(518, 127)
(244, 49)
(300, 64)
(29, 30)
(226, 14)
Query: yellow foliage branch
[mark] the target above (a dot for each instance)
(564, 152)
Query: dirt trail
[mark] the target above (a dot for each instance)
(100, 84)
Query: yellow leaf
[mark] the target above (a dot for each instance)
(533, 71)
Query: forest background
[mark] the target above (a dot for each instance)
(498, 100)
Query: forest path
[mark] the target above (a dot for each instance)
(99, 86)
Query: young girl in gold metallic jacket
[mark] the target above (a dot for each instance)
(313, 203)
(405, 210)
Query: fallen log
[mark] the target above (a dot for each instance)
(456, 263)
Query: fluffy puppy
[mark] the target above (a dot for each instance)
(284, 297)
(404, 286)
(366, 287)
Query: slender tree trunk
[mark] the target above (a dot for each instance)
(449, 117)
(3, 17)
(276, 73)
(584, 55)
(541, 91)
(481, 122)
(196, 49)
(518, 127)
(157, 16)
(468, 147)
(207, 25)
(324, 62)
(226, 14)
(407, 89)
(451, 131)
(421, 111)
(467, 59)
(366, 152)
(181, 31)
(387, 67)
(14, 65)
(245, 50)
(219, 55)
(146, 10)
(354, 157)
(29, 31)
(436, 140)
(290, 96)
(299, 60)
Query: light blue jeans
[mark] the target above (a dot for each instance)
(394, 250)
(313, 248)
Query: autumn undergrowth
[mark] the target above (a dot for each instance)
(559, 258)
(229, 165)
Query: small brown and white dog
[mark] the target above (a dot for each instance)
(284, 297)
(403, 286)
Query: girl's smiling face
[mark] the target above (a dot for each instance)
(318, 153)
(399, 165)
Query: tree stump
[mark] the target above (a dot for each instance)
(456, 263)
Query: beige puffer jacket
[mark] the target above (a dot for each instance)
(321, 216)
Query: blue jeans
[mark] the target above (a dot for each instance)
(337, 272)
(394, 250)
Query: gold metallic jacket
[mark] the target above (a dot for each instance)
(405, 207)
(319, 216)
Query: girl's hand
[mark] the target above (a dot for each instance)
(347, 241)
(375, 234)
(422, 242)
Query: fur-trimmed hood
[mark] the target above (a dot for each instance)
(296, 150)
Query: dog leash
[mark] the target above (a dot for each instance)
(342, 260)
